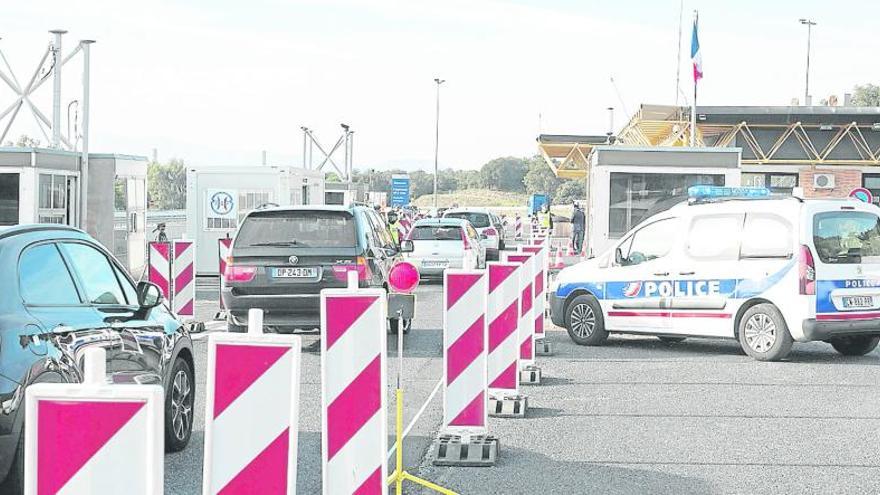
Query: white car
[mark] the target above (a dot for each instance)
(766, 271)
(488, 226)
(441, 243)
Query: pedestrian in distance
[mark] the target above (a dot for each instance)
(161, 236)
(393, 228)
(578, 227)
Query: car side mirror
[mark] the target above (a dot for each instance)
(406, 246)
(149, 295)
(618, 257)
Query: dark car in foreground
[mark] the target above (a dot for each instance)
(282, 257)
(62, 293)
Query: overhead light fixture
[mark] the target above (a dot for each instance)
(701, 116)
(826, 127)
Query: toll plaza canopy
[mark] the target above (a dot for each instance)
(567, 154)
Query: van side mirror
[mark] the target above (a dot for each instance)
(149, 295)
(406, 246)
(618, 257)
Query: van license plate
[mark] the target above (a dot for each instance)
(296, 272)
(858, 302)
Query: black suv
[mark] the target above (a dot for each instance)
(282, 257)
(62, 292)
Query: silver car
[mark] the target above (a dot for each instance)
(441, 243)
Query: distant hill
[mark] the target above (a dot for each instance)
(473, 197)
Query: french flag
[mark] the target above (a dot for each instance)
(696, 57)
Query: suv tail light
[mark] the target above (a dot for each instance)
(490, 231)
(340, 271)
(806, 272)
(236, 273)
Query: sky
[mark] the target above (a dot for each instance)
(215, 82)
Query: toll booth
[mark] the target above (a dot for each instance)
(626, 184)
(40, 185)
(218, 198)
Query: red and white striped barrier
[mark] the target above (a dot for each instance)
(464, 351)
(93, 438)
(159, 262)
(557, 262)
(526, 325)
(502, 312)
(539, 268)
(252, 412)
(518, 228)
(183, 272)
(353, 391)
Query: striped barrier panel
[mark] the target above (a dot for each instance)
(518, 228)
(464, 351)
(539, 268)
(502, 312)
(353, 391)
(183, 273)
(251, 412)
(93, 438)
(526, 325)
(159, 262)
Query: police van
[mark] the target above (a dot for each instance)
(735, 263)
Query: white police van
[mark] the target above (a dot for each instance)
(735, 263)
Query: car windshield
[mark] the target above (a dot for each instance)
(847, 237)
(306, 228)
(478, 220)
(436, 233)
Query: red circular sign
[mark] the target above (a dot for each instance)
(862, 194)
(403, 277)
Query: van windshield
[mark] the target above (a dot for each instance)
(301, 228)
(478, 220)
(847, 237)
(436, 233)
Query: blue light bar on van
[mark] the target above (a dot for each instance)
(707, 192)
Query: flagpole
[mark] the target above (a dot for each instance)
(694, 104)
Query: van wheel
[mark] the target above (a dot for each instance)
(854, 346)
(763, 333)
(671, 340)
(584, 321)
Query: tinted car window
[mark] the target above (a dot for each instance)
(127, 288)
(436, 233)
(304, 228)
(43, 277)
(478, 220)
(95, 273)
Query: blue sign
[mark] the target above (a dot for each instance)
(399, 190)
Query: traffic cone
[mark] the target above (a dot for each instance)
(558, 255)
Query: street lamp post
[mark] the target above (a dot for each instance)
(809, 23)
(437, 136)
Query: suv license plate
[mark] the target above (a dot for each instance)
(858, 302)
(295, 272)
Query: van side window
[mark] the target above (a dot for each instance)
(715, 237)
(651, 242)
(766, 236)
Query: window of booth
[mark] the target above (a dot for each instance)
(52, 199)
(9, 200)
(780, 183)
(636, 196)
(871, 182)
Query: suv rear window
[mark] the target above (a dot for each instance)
(436, 233)
(478, 220)
(300, 228)
(847, 237)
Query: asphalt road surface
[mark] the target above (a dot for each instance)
(632, 417)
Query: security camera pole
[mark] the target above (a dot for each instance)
(809, 23)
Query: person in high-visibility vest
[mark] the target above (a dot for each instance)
(393, 228)
(545, 221)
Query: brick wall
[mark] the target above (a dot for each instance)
(845, 180)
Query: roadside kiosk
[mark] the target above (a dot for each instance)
(626, 184)
(218, 198)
